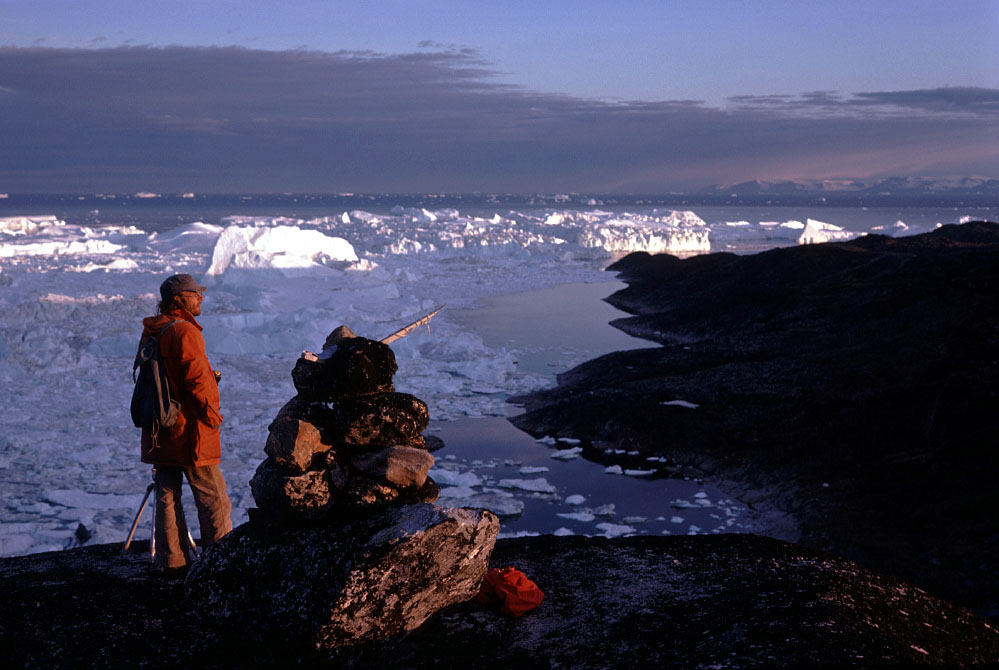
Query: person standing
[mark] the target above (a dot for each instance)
(191, 447)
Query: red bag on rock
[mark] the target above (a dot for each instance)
(511, 588)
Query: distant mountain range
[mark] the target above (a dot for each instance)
(981, 186)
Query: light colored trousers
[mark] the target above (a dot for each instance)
(214, 508)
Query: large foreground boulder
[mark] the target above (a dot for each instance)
(343, 583)
(723, 601)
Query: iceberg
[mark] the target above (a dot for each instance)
(289, 249)
(816, 232)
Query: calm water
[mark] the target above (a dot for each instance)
(551, 329)
(546, 329)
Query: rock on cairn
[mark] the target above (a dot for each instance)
(345, 545)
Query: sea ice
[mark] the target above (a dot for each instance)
(533, 469)
(613, 469)
(615, 530)
(74, 297)
(77, 498)
(639, 473)
(575, 499)
(539, 485)
(585, 517)
(446, 477)
(567, 454)
(681, 403)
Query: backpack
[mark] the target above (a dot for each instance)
(152, 407)
(511, 590)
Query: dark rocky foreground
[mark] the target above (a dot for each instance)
(853, 386)
(706, 601)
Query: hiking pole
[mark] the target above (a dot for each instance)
(138, 515)
(403, 332)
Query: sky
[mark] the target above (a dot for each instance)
(415, 96)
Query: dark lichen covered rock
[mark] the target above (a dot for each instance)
(851, 386)
(381, 420)
(686, 602)
(297, 496)
(340, 584)
(364, 495)
(357, 366)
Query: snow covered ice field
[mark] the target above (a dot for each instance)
(72, 298)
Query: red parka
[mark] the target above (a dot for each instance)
(194, 439)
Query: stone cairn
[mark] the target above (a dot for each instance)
(345, 545)
(347, 444)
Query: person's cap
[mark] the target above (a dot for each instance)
(178, 283)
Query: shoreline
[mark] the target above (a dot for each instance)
(831, 428)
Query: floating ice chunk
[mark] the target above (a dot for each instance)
(682, 504)
(453, 478)
(499, 504)
(575, 499)
(539, 485)
(693, 530)
(680, 403)
(195, 237)
(613, 469)
(676, 519)
(703, 502)
(569, 440)
(639, 473)
(283, 248)
(605, 510)
(585, 517)
(547, 439)
(533, 469)
(816, 232)
(567, 454)
(614, 529)
(635, 519)
(60, 247)
(28, 225)
(563, 531)
(700, 494)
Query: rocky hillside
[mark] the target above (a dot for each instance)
(707, 601)
(852, 385)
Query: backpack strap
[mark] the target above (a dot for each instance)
(149, 347)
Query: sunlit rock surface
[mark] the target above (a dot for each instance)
(381, 419)
(341, 584)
